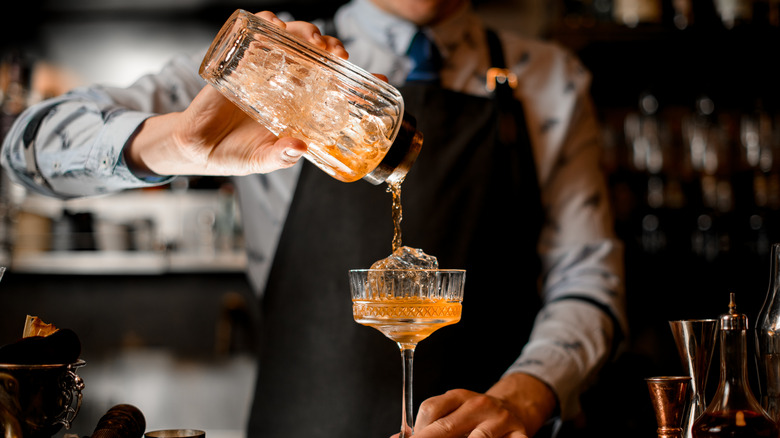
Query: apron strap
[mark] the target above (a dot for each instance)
(496, 49)
(501, 82)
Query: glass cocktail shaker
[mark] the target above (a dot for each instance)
(353, 122)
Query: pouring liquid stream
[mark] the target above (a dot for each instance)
(395, 190)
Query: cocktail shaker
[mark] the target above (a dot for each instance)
(353, 122)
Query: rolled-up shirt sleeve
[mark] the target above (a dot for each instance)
(583, 321)
(72, 145)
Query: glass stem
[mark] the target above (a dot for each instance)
(407, 408)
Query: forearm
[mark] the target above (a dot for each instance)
(530, 399)
(571, 341)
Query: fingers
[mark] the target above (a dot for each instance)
(462, 413)
(516, 434)
(284, 153)
(496, 427)
(440, 406)
(270, 16)
(308, 32)
(335, 46)
(269, 157)
(293, 150)
(311, 33)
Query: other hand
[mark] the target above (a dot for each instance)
(515, 407)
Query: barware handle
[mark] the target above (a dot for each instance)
(71, 386)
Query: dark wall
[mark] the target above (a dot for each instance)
(185, 313)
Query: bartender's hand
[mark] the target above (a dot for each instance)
(213, 136)
(515, 407)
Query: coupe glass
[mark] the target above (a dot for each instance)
(407, 305)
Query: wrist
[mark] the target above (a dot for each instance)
(532, 400)
(150, 152)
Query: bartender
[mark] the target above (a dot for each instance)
(507, 186)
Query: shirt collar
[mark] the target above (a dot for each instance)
(396, 33)
(387, 29)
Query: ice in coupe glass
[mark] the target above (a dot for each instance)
(406, 304)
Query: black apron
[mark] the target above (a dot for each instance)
(471, 200)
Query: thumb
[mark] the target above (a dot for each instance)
(284, 153)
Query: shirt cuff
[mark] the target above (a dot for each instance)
(105, 157)
(569, 344)
(100, 169)
(110, 161)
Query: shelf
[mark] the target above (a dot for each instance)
(126, 263)
(143, 232)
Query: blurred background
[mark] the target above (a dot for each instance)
(152, 280)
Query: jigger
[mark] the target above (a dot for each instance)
(670, 396)
(695, 340)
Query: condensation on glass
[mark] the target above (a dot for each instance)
(353, 122)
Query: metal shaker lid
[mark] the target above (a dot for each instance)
(733, 320)
(401, 156)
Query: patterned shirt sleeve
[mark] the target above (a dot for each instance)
(72, 145)
(583, 321)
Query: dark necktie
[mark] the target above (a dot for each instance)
(425, 58)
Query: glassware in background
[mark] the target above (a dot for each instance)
(768, 341)
(682, 13)
(695, 340)
(698, 184)
(704, 139)
(734, 12)
(633, 12)
(643, 133)
(353, 122)
(646, 137)
(734, 412)
(757, 177)
(755, 137)
(708, 155)
(669, 395)
(672, 14)
(407, 305)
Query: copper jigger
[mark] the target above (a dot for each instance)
(669, 395)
